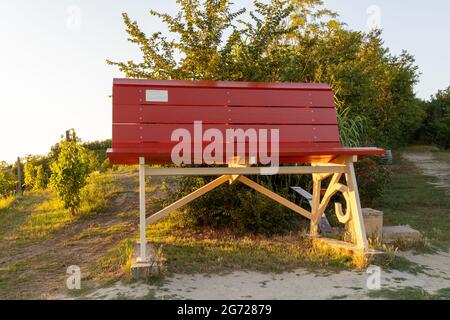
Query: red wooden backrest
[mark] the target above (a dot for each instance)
(146, 112)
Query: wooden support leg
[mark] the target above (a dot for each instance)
(357, 221)
(314, 224)
(142, 225)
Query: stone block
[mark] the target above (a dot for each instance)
(373, 223)
(393, 234)
(143, 269)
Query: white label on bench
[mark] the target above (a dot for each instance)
(156, 95)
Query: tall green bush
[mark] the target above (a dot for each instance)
(7, 180)
(36, 172)
(70, 171)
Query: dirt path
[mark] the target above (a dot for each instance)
(431, 166)
(299, 284)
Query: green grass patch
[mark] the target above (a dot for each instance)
(16, 214)
(115, 263)
(45, 213)
(391, 262)
(97, 193)
(39, 216)
(45, 219)
(13, 279)
(95, 232)
(410, 293)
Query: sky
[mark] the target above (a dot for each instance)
(53, 74)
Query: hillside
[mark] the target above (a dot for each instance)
(39, 240)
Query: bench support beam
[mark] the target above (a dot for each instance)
(233, 170)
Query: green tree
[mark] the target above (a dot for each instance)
(7, 180)
(436, 126)
(97, 150)
(36, 172)
(41, 178)
(29, 171)
(70, 171)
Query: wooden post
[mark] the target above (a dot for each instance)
(357, 222)
(142, 223)
(314, 224)
(19, 177)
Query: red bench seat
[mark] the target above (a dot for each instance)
(146, 112)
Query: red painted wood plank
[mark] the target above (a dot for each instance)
(177, 96)
(289, 154)
(219, 84)
(222, 115)
(163, 132)
(220, 97)
(281, 98)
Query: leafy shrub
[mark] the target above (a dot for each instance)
(239, 208)
(7, 180)
(98, 148)
(97, 154)
(35, 176)
(36, 172)
(373, 178)
(70, 171)
(262, 215)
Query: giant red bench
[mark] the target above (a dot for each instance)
(146, 113)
